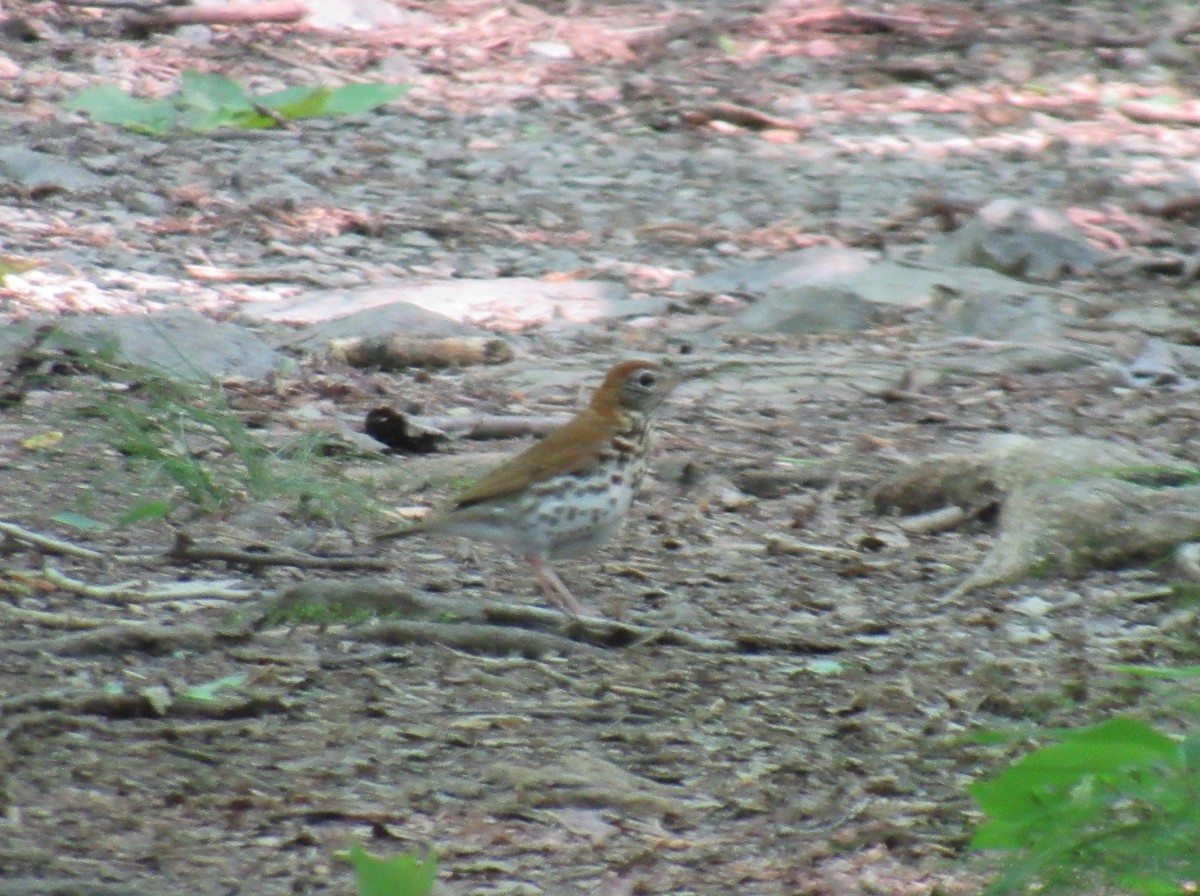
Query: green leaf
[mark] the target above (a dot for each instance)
(145, 510)
(1191, 751)
(820, 666)
(1129, 734)
(1157, 671)
(1152, 886)
(207, 692)
(1116, 745)
(212, 91)
(202, 119)
(298, 102)
(79, 521)
(109, 104)
(251, 121)
(354, 99)
(406, 874)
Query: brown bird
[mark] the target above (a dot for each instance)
(568, 493)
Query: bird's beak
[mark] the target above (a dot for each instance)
(681, 373)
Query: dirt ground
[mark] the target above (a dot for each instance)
(817, 731)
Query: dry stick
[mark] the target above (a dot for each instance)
(280, 121)
(491, 426)
(238, 275)
(143, 637)
(49, 542)
(54, 545)
(494, 618)
(934, 521)
(323, 71)
(740, 115)
(96, 702)
(467, 636)
(135, 5)
(231, 14)
(185, 549)
(776, 545)
(139, 591)
(55, 619)
(399, 352)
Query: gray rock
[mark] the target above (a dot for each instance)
(806, 309)
(1020, 319)
(819, 264)
(42, 170)
(1021, 241)
(508, 302)
(381, 321)
(180, 343)
(913, 286)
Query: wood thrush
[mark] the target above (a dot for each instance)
(568, 493)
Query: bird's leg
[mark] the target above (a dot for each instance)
(553, 588)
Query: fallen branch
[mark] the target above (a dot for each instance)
(490, 639)
(778, 545)
(141, 592)
(1153, 113)
(48, 543)
(933, 521)
(489, 626)
(52, 619)
(492, 426)
(126, 637)
(401, 352)
(740, 115)
(137, 5)
(52, 545)
(128, 704)
(186, 549)
(231, 14)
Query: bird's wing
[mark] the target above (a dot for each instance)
(569, 448)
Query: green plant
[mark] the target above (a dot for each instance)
(314, 613)
(210, 691)
(407, 874)
(184, 435)
(207, 100)
(1114, 805)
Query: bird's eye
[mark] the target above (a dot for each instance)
(646, 379)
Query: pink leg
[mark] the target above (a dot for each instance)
(553, 588)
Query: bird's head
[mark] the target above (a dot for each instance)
(634, 386)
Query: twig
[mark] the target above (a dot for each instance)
(48, 542)
(185, 549)
(124, 704)
(160, 18)
(1138, 597)
(135, 5)
(139, 591)
(399, 352)
(141, 637)
(270, 113)
(53, 545)
(239, 275)
(1152, 113)
(492, 426)
(934, 521)
(780, 544)
(466, 636)
(55, 619)
(479, 619)
(740, 115)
